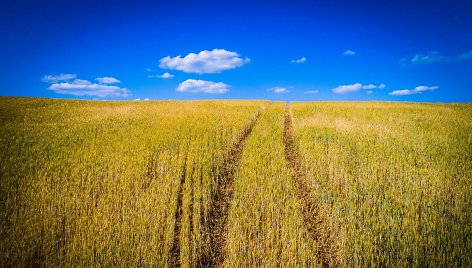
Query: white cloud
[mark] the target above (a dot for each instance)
(58, 78)
(343, 89)
(107, 80)
(417, 90)
(279, 90)
(312, 91)
(213, 61)
(425, 88)
(370, 92)
(164, 76)
(79, 87)
(349, 52)
(347, 88)
(63, 84)
(301, 60)
(402, 92)
(201, 86)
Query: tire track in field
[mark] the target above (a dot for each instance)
(175, 251)
(219, 208)
(313, 216)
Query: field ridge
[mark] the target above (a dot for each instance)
(221, 201)
(313, 215)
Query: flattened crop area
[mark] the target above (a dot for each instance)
(234, 184)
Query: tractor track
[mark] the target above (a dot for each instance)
(175, 251)
(313, 216)
(221, 202)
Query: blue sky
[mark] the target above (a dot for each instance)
(277, 50)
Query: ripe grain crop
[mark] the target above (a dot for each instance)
(87, 183)
(265, 225)
(313, 211)
(234, 184)
(394, 178)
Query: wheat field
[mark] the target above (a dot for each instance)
(234, 184)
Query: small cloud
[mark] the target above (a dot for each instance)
(425, 88)
(201, 86)
(147, 99)
(58, 78)
(343, 89)
(301, 60)
(436, 57)
(80, 87)
(430, 57)
(164, 76)
(148, 70)
(417, 90)
(205, 62)
(402, 92)
(347, 88)
(312, 92)
(370, 92)
(107, 80)
(279, 90)
(349, 53)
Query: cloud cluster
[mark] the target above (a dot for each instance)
(202, 86)
(67, 84)
(436, 56)
(343, 89)
(417, 90)
(301, 60)
(349, 53)
(205, 62)
(279, 90)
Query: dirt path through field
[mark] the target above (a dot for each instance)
(221, 201)
(313, 215)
